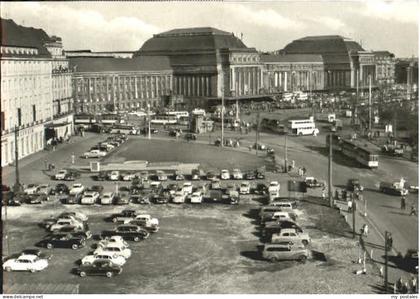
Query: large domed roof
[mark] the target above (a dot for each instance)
(190, 39)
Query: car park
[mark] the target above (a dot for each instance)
(245, 188)
(63, 240)
(60, 175)
(25, 262)
(237, 174)
(127, 232)
(94, 154)
(277, 252)
(89, 198)
(77, 188)
(91, 258)
(224, 174)
(99, 267)
(291, 234)
(196, 197)
(114, 175)
(107, 198)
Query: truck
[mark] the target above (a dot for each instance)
(330, 117)
(394, 188)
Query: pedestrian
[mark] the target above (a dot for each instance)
(413, 285)
(323, 194)
(399, 284)
(405, 288)
(403, 203)
(349, 205)
(303, 171)
(413, 211)
(365, 229)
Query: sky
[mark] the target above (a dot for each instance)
(264, 25)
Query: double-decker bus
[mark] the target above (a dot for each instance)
(111, 119)
(178, 113)
(84, 119)
(300, 127)
(351, 150)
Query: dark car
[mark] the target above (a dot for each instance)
(99, 267)
(102, 176)
(353, 185)
(75, 231)
(37, 252)
(250, 175)
(122, 216)
(61, 189)
(121, 199)
(63, 240)
(191, 136)
(73, 199)
(127, 232)
(96, 188)
(261, 189)
(211, 175)
(72, 176)
(259, 174)
(143, 199)
(160, 199)
(36, 198)
(195, 174)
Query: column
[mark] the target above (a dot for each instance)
(233, 79)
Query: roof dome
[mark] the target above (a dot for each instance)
(190, 39)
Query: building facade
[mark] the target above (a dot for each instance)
(107, 84)
(27, 89)
(385, 67)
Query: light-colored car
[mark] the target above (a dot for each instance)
(107, 198)
(114, 175)
(114, 249)
(78, 215)
(196, 197)
(89, 198)
(274, 187)
(224, 174)
(76, 188)
(282, 216)
(161, 176)
(26, 262)
(179, 197)
(187, 188)
(237, 174)
(245, 188)
(61, 175)
(115, 259)
(146, 221)
(44, 189)
(128, 176)
(291, 234)
(31, 189)
(278, 252)
(94, 154)
(112, 240)
(64, 222)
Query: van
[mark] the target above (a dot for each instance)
(278, 252)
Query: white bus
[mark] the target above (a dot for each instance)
(164, 120)
(178, 113)
(302, 127)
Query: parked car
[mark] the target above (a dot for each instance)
(267, 213)
(122, 198)
(99, 267)
(127, 176)
(78, 215)
(259, 174)
(196, 197)
(261, 189)
(274, 227)
(178, 176)
(191, 136)
(115, 249)
(215, 185)
(31, 189)
(44, 189)
(72, 199)
(250, 175)
(187, 188)
(211, 176)
(96, 188)
(274, 186)
(114, 175)
(61, 189)
(77, 188)
(63, 241)
(195, 174)
(115, 259)
(146, 221)
(179, 197)
(281, 216)
(36, 198)
(161, 198)
(277, 252)
(127, 232)
(94, 154)
(353, 185)
(245, 188)
(102, 176)
(25, 262)
(123, 215)
(72, 175)
(312, 182)
(143, 198)
(60, 175)
(112, 240)
(237, 174)
(291, 234)
(107, 198)
(64, 222)
(161, 176)
(89, 198)
(224, 174)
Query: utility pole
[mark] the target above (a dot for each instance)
(148, 121)
(330, 172)
(285, 153)
(223, 111)
(357, 98)
(353, 210)
(257, 133)
(388, 246)
(370, 102)
(17, 186)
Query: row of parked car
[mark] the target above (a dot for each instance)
(283, 237)
(102, 148)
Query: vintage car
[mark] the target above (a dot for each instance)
(99, 267)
